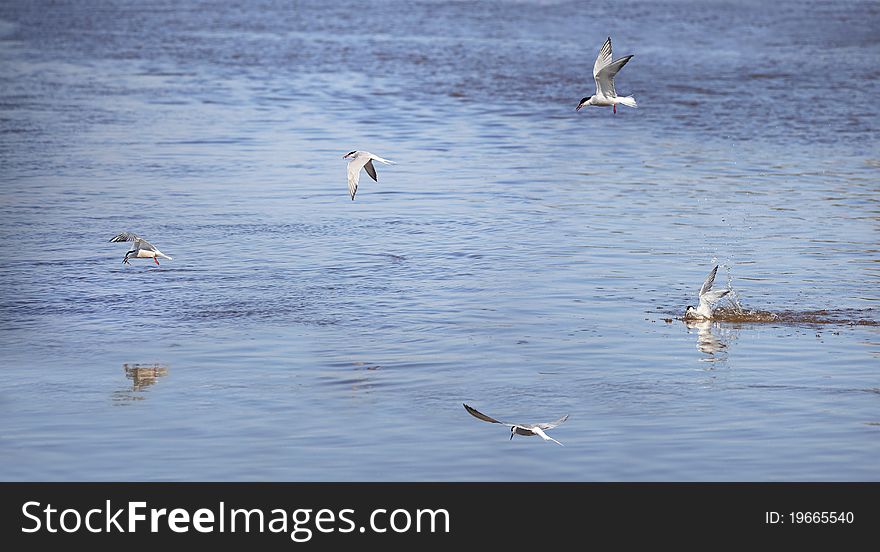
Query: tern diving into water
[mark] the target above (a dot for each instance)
(361, 160)
(604, 71)
(142, 249)
(520, 429)
(707, 298)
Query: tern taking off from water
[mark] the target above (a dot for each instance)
(142, 249)
(520, 429)
(604, 71)
(707, 298)
(361, 160)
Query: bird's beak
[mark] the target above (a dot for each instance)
(578, 108)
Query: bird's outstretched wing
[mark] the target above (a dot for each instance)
(605, 78)
(139, 242)
(354, 172)
(710, 279)
(551, 425)
(707, 296)
(603, 59)
(371, 170)
(144, 244)
(712, 297)
(480, 416)
(125, 237)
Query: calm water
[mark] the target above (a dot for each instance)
(520, 257)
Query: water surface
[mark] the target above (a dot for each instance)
(520, 257)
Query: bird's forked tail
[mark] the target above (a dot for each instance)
(628, 101)
(163, 255)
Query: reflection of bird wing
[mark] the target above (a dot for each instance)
(551, 425)
(700, 325)
(707, 342)
(538, 431)
(480, 416)
(354, 172)
(710, 279)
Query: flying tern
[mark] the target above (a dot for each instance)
(520, 429)
(361, 160)
(604, 71)
(142, 249)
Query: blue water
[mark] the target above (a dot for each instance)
(520, 257)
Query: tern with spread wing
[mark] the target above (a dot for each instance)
(142, 249)
(361, 160)
(707, 298)
(604, 71)
(520, 429)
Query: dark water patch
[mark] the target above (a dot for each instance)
(847, 317)
(389, 256)
(821, 389)
(731, 315)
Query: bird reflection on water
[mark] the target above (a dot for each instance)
(714, 336)
(142, 376)
(711, 343)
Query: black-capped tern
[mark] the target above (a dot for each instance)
(604, 71)
(361, 160)
(707, 298)
(142, 249)
(520, 429)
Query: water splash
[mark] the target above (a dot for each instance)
(850, 317)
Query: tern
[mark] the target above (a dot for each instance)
(142, 249)
(361, 160)
(604, 71)
(707, 298)
(520, 429)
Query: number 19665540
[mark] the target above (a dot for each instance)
(809, 517)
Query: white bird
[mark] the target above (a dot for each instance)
(142, 249)
(707, 298)
(520, 429)
(361, 160)
(604, 71)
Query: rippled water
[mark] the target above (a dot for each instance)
(520, 257)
